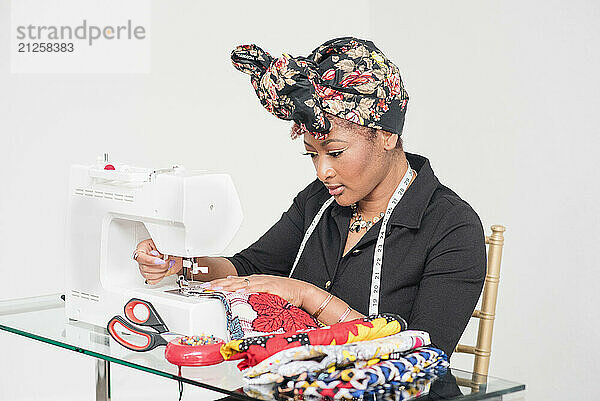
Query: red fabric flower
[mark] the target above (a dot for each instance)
(327, 93)
(393, 82)
(281, 63)
(329, 74)
(382, 105)
(357, 78)
(275, 313)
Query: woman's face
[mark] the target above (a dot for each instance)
(347, 162)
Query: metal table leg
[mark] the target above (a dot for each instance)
(102, 380)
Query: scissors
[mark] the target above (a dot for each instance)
(150, 318)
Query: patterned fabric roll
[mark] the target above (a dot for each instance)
(322, 358)
(256, 349)
(423, 363)
(385, 392)
(347, 77)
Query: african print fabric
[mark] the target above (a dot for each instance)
(322, 358)
(403, 376)
(253, 350)
(256, 314)
(387, 392)
(347, 77)
(354, 382)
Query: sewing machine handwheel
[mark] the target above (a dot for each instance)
(153, 340)
(151, 318)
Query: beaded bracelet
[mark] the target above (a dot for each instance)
(345, 314)
(322, 306)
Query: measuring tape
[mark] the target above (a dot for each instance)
(378, 256)
(310, 230)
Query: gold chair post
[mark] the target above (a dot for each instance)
(487, 314)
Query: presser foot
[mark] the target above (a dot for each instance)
(182, 282)
(190, 263)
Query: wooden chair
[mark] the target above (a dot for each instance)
(486, 315)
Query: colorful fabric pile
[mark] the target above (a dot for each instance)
(323, 358)
(405, 375)
(284, 353)
(387, 392)
(256, 349)
(342, 361)
(354, 382)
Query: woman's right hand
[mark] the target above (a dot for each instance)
(152, 264)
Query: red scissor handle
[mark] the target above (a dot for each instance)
(153, 319)
(153, 340)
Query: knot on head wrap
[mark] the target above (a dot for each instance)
(347, 77)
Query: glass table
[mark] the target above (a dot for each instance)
(42, 318)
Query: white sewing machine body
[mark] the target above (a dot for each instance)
(112, 208)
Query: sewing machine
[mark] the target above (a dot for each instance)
(112, 207)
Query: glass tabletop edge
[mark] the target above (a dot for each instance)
(97, 355)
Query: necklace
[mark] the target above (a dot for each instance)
(359, 223)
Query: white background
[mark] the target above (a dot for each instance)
(504, 102)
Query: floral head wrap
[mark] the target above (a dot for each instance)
(347, 77)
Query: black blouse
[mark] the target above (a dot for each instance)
(434, 258)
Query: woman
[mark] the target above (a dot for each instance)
(376, 231)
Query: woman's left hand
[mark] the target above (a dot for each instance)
(290, 289)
